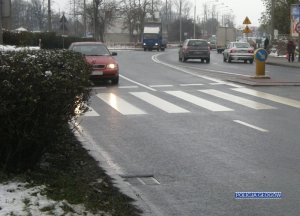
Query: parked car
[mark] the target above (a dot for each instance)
(105, 66)
(194, 49)
(238, 51)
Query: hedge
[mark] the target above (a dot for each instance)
(49, 40)
(40, 92)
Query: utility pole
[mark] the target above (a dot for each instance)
(180, 21)
(95, 17)
(272, 20)
(1, 32)
(195, 20)
(49, 16)
(84, 17)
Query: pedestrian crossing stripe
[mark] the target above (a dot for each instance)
(237, 99)
(199, 101)
(90, 113)
(159, 103)
(120, 104)
(271, 97)
(126, 108)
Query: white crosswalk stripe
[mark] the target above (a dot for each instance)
(125, 107)
(271, 97)
(120, 105)
(198, 101)
(159, 103)
(237, 99)
(91, 113)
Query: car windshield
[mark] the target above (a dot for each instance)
(242, 45)
(199, 43)
(150, 36)
(91, 49)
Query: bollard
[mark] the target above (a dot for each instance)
(260, 56)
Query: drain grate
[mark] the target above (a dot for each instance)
(141, 180)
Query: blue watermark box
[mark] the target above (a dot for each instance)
(257, 195)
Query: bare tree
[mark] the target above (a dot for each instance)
(135, 13)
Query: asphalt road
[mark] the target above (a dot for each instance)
(186, 141)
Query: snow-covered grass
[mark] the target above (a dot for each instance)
(14, 48)
(17, 199)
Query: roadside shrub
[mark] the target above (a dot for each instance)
(40, 92)
(49, 40)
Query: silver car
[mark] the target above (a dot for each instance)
(238, 51)
(194, 49)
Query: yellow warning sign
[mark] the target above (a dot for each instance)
(247, 30)
(247, 21)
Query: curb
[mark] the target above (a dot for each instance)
(96, 152)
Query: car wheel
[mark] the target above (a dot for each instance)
(229, 60)
(207, 60)
(179, 58)
(224, 59)
(251, 61)
(184, 59)
(115, 81)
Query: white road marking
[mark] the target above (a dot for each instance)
(181, 69)
(127, 87)
(238, 100)
(191, 85)
(275, 98)
(137, 83)
(159, 103)
(160, 86)
(120, 105)
(251, 126)
(91, 113)
(219, 83)
(198, 101)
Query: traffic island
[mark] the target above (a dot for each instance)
(260, 56)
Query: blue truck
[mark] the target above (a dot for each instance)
(153, 37)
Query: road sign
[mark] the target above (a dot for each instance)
(247, 21)
(297, 28)
(247, 30)
(261, 55)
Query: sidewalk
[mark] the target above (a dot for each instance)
(273, 80)
(282, 61)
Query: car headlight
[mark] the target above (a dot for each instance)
(144, 44)
(156, 44)
(112, 66)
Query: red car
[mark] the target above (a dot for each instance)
(105, 66)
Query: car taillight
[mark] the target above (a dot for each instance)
(250, 51)
(185, 49)
(232, 51)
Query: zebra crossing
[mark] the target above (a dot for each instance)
(125, 107)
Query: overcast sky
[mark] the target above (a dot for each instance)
(240, 8)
